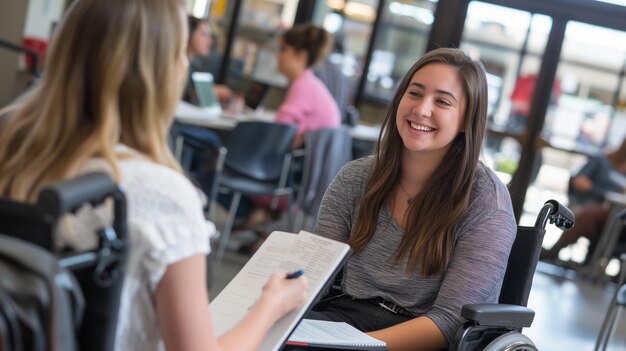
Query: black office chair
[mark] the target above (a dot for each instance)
(98, 272)
(193, 143)
(498, 326)
(257, 163)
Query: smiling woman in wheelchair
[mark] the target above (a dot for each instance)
(431, 226)
(114, 73)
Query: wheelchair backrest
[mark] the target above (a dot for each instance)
(520, 270)
(518, 278)
(99, 272)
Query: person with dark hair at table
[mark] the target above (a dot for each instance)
(199, 45)
(603, 173)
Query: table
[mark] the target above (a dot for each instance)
(608, 239)
(214, 119)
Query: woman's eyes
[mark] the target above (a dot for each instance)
(418, 94)
(444, 102)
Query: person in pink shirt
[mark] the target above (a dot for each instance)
(308, 103)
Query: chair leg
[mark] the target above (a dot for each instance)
(613, 313)
(607, 329)
(232, 212)
(298, 221)
(178, 147)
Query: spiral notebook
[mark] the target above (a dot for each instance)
(314, 334)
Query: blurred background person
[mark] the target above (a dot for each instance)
(308, 105)
(199, 45)
(601, 174)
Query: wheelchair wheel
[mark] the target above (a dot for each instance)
(511, 341)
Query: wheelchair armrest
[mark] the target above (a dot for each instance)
(499, 315)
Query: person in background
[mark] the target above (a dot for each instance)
(199, 45)
(430, 225)
(601, 174)
(308, 103)
(116, 70)
(205, 143)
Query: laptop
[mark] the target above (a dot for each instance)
(256, 95)
(205, 88)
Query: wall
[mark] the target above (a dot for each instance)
(40, 16)
(12, 19)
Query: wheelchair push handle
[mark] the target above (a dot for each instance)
(556, 213)
(67, 196)
(93, 188)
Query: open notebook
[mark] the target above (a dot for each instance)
(331, 335)
(321, 259)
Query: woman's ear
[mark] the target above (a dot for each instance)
(302, 56)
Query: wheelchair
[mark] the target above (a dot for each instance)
(99, 272)
(497, 327)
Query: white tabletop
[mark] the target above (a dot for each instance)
(216, 119)
(615, 198)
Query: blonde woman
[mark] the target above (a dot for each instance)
(114, 73)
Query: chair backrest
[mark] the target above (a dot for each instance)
(27, 221)
(326, 152)
(98, 273)
(518, 278)
(520, 270)
(257, 149)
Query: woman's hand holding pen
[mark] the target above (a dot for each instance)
(284, 292)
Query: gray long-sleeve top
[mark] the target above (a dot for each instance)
(483, 240)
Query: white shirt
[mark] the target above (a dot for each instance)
(165, 225)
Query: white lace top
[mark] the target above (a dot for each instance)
(165, 224)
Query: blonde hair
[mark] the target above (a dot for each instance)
(111, 77)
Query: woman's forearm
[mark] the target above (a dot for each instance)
(417, 334)
(250, 331)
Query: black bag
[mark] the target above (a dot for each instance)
(41, 304)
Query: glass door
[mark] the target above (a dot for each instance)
(351, 24)
(586, 114)
(404, 30)
(253, 55)
(511, 45)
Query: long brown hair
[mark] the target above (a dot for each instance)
(428, 239)
(112, 76)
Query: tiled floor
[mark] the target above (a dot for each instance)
(569, 312)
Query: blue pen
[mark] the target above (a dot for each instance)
(295, 274)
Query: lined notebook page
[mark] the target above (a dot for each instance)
(316, 332)
(286, 252)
